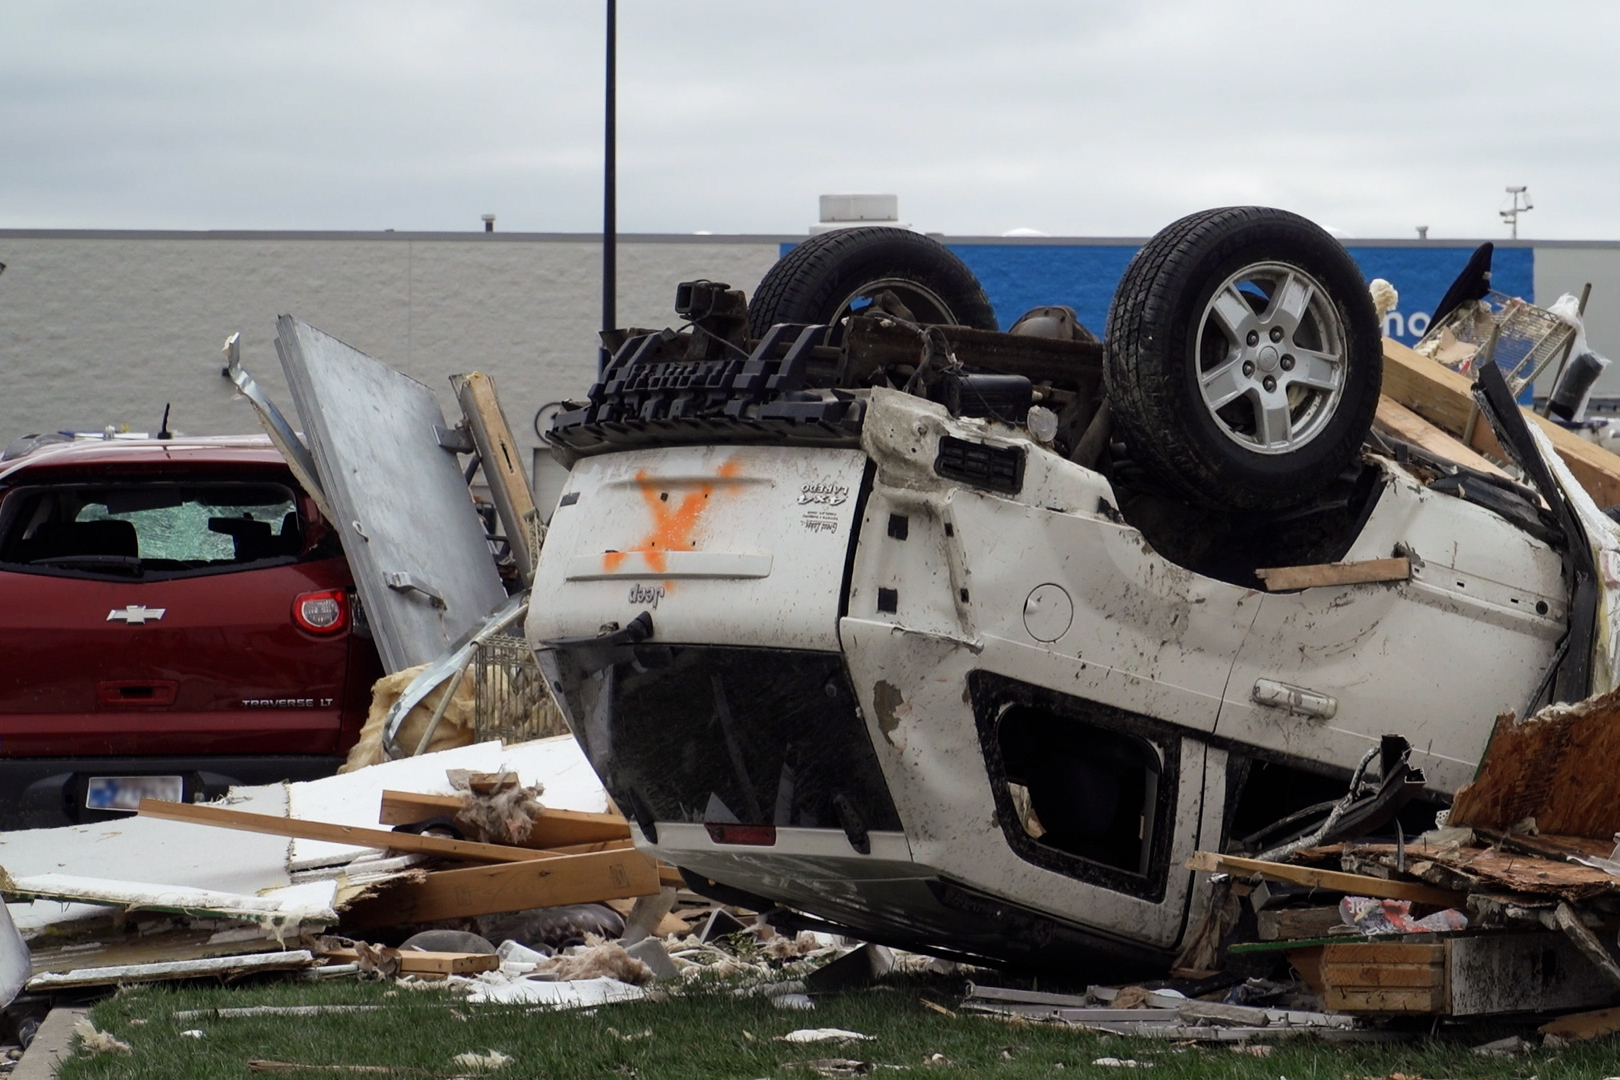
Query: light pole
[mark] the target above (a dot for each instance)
(610, 223)
(1511, 214)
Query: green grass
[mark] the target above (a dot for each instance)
(710, 1033)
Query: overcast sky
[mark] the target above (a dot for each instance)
(1075, 118)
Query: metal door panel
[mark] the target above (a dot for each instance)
(414, 542)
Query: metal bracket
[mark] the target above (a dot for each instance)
(458, 440)
(400, 581)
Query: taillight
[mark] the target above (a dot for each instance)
(723, 833)
(324, 612)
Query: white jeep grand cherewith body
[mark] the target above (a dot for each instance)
(954, 638)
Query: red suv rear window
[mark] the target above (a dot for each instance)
(149, 529)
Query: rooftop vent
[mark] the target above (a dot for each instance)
(848, 211)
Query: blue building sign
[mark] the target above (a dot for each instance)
(1083, 276)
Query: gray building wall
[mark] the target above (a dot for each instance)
(104, 327)
(101, 328)
(1563, 267)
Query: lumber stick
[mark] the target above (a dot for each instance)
(552, 828)
(1282, 578)
(503, 887)
(1336, 880)
(243, 821)
(1396, 419)
(1443, 398)
(502, 462)
(422, 962)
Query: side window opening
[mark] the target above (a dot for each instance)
(145, 529)
(1081, 789)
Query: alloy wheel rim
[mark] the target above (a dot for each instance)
(1271, 358)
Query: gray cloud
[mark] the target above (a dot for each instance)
(1075, 118)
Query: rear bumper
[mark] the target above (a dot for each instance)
(39, 793)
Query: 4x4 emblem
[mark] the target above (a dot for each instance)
(135, 614)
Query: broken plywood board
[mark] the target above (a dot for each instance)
(130, 849)
(1443, 397)
(1366, 572)
(222, 967)
(1561, 767)
(503, 887)
(1337, 881)
(1396, 419)
(1492, 867)
(557, 764)
(382, 839)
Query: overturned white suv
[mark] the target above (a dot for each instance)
(954, 638)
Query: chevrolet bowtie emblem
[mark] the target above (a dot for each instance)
(135, 614)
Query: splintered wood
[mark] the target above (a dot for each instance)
(1443, 398)
(1560, 767)
(1492, 868)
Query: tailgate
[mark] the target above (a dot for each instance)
(723, 545)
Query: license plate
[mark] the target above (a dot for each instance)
(126, 792)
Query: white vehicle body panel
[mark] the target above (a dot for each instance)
(952, 588)
(1483, 595)
(732, 545)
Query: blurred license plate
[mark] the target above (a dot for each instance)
(126, 792)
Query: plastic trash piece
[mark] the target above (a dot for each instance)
(1574, 389)
(1374, 916)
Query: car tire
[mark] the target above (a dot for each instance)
(830, 275)
(1242, 358)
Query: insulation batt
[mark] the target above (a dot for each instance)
(1384, 297)
(455, 729)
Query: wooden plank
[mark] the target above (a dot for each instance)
(1338, 881)
(1384, 952)
(552, 828)
(338, 834)
(1425, 1001)
(1586, 1025)
(1442, 397)
(1396, 419)
(502, 462)
(503, 887)
(1283, 924)
(1281, 578)
(421, 962)
(1380, 976)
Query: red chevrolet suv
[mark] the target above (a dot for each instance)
(175, 617)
